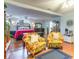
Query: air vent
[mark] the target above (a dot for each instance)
(49, 9)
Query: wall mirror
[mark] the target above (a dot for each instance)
(38, 25)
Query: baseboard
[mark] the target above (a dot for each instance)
(69, 42)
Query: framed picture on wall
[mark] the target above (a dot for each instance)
(69, 23)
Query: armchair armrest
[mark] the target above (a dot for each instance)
(41, 39)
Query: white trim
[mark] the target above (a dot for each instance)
(7, 45)
(32, 7)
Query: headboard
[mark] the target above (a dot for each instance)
(23, 26)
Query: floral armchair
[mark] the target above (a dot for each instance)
(55, 40)
(34, 43)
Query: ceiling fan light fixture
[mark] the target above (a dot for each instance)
(67, 3)
(70, 2)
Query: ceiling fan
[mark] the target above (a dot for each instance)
(65, 4)
(68, 3)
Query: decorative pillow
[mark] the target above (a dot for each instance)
(34, 38)
(55, 35)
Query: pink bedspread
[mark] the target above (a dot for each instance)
(19, 32)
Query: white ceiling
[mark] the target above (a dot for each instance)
(16, 12)
(57, 6)
(36, 9)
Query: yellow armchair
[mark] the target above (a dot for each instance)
(55, 40)
(34, 43)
